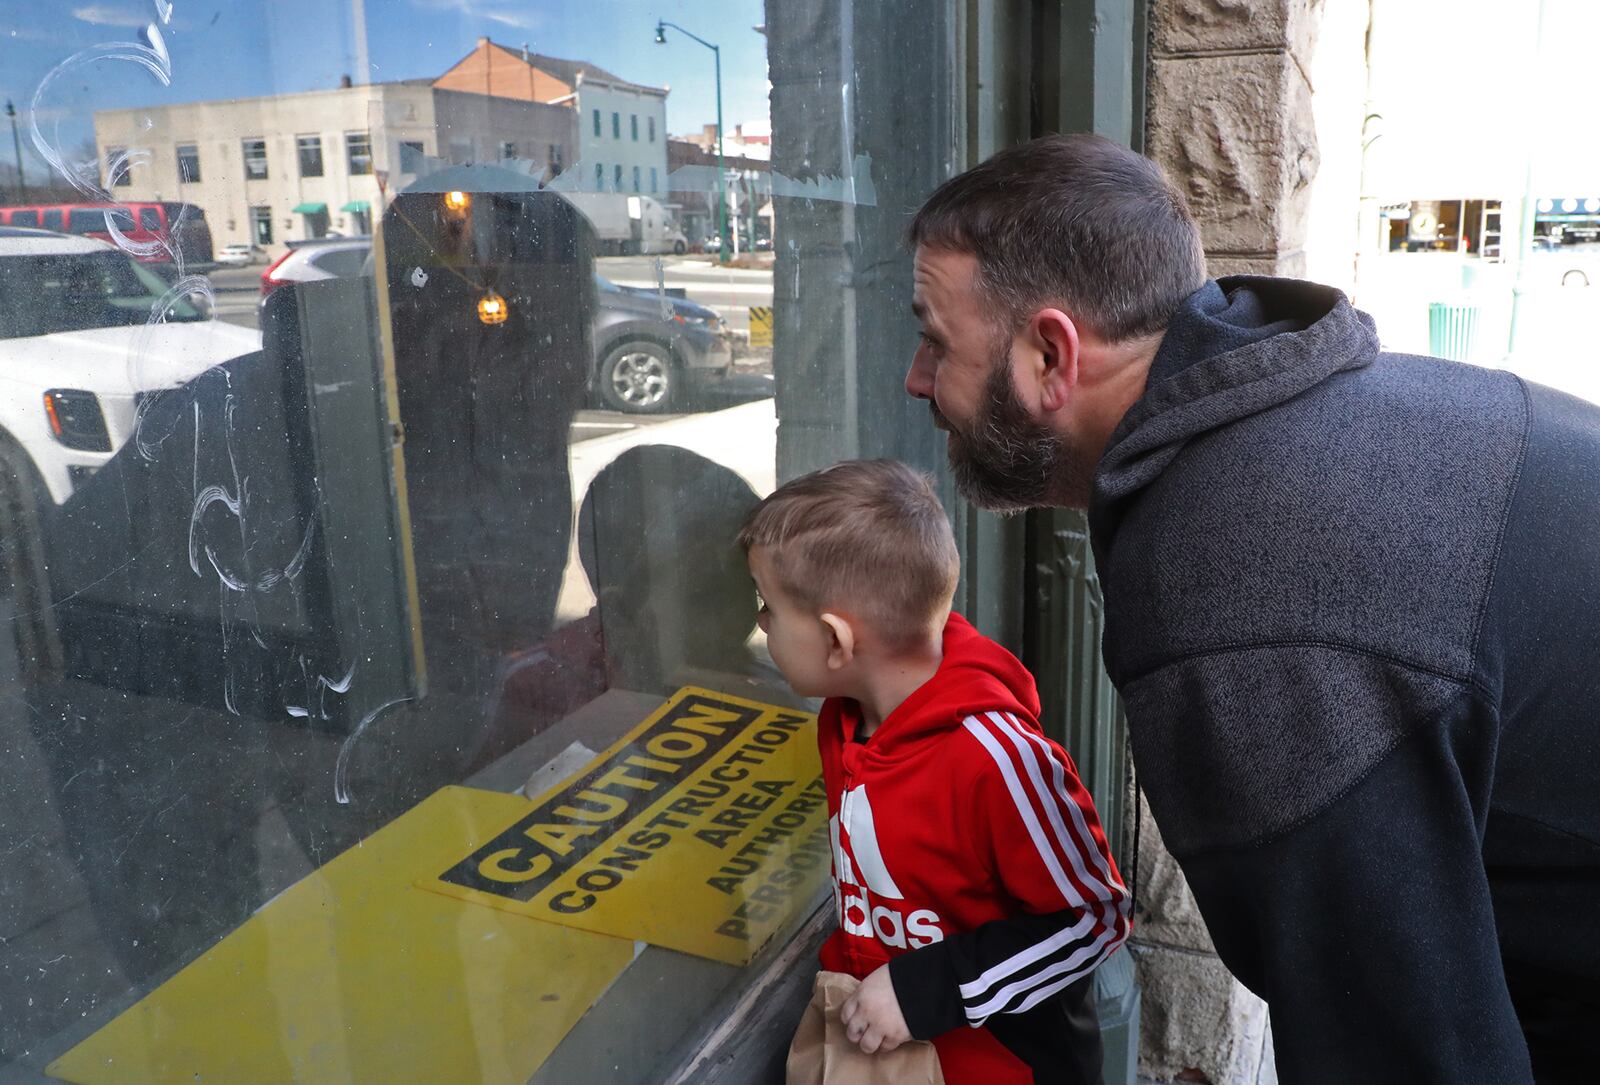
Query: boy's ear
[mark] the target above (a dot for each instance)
(841, 640)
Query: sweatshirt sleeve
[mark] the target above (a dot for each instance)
(1037, 831)
(1327, 807)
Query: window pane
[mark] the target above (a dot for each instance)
(118, 170)
(358, 148)
(255, 159)
(189, 163)
(425, 512)
(309, 150)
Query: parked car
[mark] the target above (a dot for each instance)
(77, 350)
(182, 225)
(646, 357)
(309, 261)
(237, 254)
(711, 244)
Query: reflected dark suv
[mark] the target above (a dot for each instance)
(650, 349)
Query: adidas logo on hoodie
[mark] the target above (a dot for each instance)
(864, 881)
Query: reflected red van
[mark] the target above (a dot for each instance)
(183, 225)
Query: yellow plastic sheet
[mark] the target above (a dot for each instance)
(354, 975)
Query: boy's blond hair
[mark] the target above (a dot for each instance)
(865, 537)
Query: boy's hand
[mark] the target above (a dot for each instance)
(872, 1017)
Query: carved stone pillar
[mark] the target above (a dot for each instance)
(1229, 118)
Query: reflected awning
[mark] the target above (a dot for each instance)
(310, 208)
(356, 205)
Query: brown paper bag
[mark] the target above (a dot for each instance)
(822, 1054)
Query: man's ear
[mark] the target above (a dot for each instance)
(1056, 335)
(841, 641)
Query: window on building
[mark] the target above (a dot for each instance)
(119, 172)
(616, 125)
(636, 178)
(652, 123)
(358, 152)
(616, 179)
(633, 125)
(188, 163)
(599, 177)
(411, 156)
(597, 124)
(508, 150)
(309, 150)
(652, 179)
(255, 159)
(261, 225)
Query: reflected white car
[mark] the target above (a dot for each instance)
(237, 254)
(77, 350)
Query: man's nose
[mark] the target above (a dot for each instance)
(919, 378)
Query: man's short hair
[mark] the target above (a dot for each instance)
(865, 537)
(1074, 221)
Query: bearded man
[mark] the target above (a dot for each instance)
(1352, 605)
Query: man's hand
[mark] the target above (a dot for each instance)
(872, 1017)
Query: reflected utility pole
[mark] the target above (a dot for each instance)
(16, 143)
(722, 198)
(1525, 223)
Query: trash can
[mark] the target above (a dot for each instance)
(1452, 330)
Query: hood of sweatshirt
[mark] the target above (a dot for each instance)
(975, 675)
(1236, 347)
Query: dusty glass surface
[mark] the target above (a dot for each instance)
(377, 419)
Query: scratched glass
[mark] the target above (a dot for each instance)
(382, 397)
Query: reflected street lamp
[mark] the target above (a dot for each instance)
(722, 201)
(16, 143)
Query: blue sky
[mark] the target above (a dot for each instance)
(242, 48)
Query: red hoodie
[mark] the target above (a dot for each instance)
(967, 851)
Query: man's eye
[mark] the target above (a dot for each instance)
(930, 342)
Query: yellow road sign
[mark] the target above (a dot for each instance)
(702, 830)
(761, 325)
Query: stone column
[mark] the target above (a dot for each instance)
(1229, 118)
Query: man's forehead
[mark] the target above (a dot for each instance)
(940, 275)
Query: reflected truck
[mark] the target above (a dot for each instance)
(79, 350)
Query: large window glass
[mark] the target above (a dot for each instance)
(381, 695)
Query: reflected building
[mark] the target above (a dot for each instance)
(322, 162)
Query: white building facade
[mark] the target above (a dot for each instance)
(292, 166)
(622, 134)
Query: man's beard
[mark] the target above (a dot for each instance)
(1005, 461)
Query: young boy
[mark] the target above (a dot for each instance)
(971, 876)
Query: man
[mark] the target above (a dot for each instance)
(1352, 606)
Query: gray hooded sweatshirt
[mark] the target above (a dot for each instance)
(1353, 607)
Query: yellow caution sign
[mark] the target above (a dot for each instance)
(354, 975)
(761, 325)
(702, 830)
